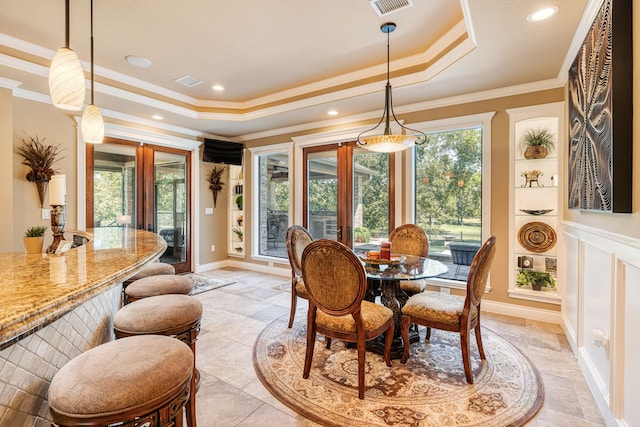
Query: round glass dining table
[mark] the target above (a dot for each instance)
(384, 277)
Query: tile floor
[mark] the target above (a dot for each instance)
(231, 394)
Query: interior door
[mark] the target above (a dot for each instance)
(146, 187)
(347, 192)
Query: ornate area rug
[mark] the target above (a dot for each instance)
(202, 283)
(430, 390)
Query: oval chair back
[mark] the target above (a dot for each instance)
(297, 239)
(334, 276)
(479, 272)
(409, 239)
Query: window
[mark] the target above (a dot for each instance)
(271, 202)
(451, 193)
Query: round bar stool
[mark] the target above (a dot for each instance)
(157, 285)
(145, 379)
(155, 268)
(171, 315)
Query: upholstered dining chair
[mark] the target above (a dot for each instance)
(453, 313)
(410, 239)
(336, 283)
(297, 239)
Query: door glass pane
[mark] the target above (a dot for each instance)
(170, 203)
(322, 184)
(448, 172)
(273, 204)
(370, 199)
(114, 189)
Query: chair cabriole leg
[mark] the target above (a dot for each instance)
(465, 344)
(404, 329)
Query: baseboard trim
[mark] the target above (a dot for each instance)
(521, 311)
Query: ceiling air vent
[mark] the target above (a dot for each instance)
(385, 7)
(188, 81)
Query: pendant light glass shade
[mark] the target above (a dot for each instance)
(388, 142)
(66, 80)
(92, 125)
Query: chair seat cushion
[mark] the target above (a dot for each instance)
(121, 375)
(158, 314)
(153, 269)
(436, 307)
(413, 286)
(373, 316)
(159, 285)
(301, 289)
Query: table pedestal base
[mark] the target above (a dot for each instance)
(394, 298)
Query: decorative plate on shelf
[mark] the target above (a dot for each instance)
(537, 237)
(536, 211)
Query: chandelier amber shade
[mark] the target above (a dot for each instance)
(388, 143)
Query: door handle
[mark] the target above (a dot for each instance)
(339, 233)
(348, 233)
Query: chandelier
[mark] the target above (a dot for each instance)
(388, 142)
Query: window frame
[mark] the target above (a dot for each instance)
(482, 120)
(256, 153)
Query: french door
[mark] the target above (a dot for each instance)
(347, 194)
(142, 186)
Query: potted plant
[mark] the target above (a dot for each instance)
(537, 143)
(239, 202)
(536, 279)
(40, 158)
(238, 232)
(33, 239)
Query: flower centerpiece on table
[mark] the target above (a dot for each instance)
(215, 183)
(40, 158)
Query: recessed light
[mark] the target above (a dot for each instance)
(218, 88)
(157, 117)
(332, 113)
(542, 14)
(138, 61)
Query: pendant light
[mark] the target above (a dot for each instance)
(66, 78)
(92, 124)
(388, 142)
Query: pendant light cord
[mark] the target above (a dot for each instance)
(66, 28)
(388, 55)
(91, 50)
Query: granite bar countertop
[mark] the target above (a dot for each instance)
(36, 289)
